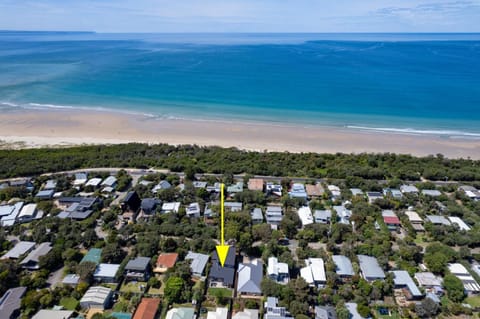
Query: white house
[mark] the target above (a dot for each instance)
(278, 271)
(314, 272)
(305, 214)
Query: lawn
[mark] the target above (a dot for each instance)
(69, 303)
(134, 287)
(224, 292)
(473, 301)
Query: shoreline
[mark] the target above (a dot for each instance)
(66, 127)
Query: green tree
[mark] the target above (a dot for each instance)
(363, 310)
(427, 308)
(173, 289)
(454, 287)
(85, 270)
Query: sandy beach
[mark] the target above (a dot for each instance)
(72, 127)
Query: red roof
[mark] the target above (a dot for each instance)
(167, 260)
(392, 220)
(147, 309)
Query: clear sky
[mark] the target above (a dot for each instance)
(242, 15)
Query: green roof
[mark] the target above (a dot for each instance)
(94, 255)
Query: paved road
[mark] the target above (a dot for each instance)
(136, 173)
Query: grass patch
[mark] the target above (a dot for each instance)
(420, 239)
(69, 303)
(156, 291)
(223, 292)
(473, 301)
(134, 287)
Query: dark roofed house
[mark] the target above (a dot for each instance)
(131, 202)
(78, 208)
(24, 182)
(10, 303)
(223, 276)
(149, 205)
(138, 269)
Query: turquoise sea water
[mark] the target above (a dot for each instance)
(410, 83)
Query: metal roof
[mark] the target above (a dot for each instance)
(139, 263)
(34, 256)
(28, 210)
(439, 220)
(181, 313)
(428, 279)
(402, 278)
(219, 313)
(431, 192)
(96, 294)
(256, 214)
(370, 267)
(344, 265)
(11, 301)
(227, 273)
(459, 222)
(20, 248)
(274, 267)
(408, 189)
(246, 314)
(198, 262)
(71, 279)
(305, 214)
(106, 270)
(323, 215)
(314, 272)
(109, 181)
(94, 255)
(53, 314)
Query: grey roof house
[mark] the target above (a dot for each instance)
(370, 268)
(322, 216)
(257, 216)
(250, 277)
(19, 249)
(31, 261)
(10, 302)
(324, 312)
(198, 263)
(138, 269)
(344, 267)
(96, 297)
(402, 279)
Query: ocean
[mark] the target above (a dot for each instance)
(404, 83)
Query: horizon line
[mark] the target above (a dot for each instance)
(230, 32)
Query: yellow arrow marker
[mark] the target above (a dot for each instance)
(222, 249)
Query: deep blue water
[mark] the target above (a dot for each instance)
(405, 82)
